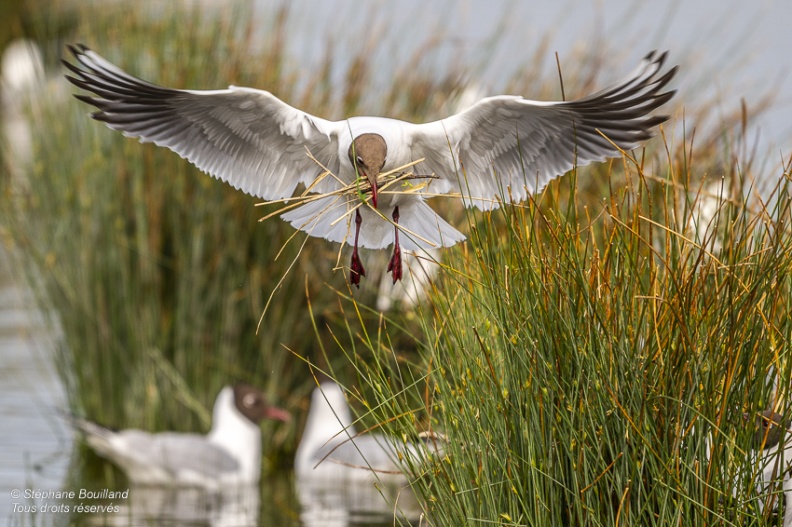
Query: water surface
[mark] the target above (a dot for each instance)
(36, 445)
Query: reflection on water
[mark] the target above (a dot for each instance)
(274, 503)
(328, 503)
(145, 506)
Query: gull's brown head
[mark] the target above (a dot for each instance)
(367, 153)
(252, 404)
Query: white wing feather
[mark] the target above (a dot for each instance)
(246, 137)
(507, 142)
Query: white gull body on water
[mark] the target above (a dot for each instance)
(344, 476)
(772, 455)
(229, 455)
(332, 449)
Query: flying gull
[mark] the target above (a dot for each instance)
(378, 168)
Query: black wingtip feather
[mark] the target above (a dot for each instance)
(100, 116)
(85, 98)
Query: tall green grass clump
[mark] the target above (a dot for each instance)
(584, 356)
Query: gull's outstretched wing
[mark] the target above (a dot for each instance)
(246, 137)
(510, 142)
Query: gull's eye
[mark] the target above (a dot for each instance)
(359, 160)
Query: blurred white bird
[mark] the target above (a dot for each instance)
(22, 80)
(377, 169)
(331, 448)
(342, 473)
(772, 454)
(421, 269)
(229, 455)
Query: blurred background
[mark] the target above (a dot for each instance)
(132, 286)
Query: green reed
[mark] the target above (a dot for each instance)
(578, 353)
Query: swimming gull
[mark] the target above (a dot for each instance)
(229, 454)
(772, 454)
(331, 448)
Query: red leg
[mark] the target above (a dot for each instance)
(395, 265)
(356, 269)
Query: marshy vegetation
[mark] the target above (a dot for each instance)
(578, 360)
(578, 350)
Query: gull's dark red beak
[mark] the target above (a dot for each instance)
(373, 182)
(374, 191)
(277, 414)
